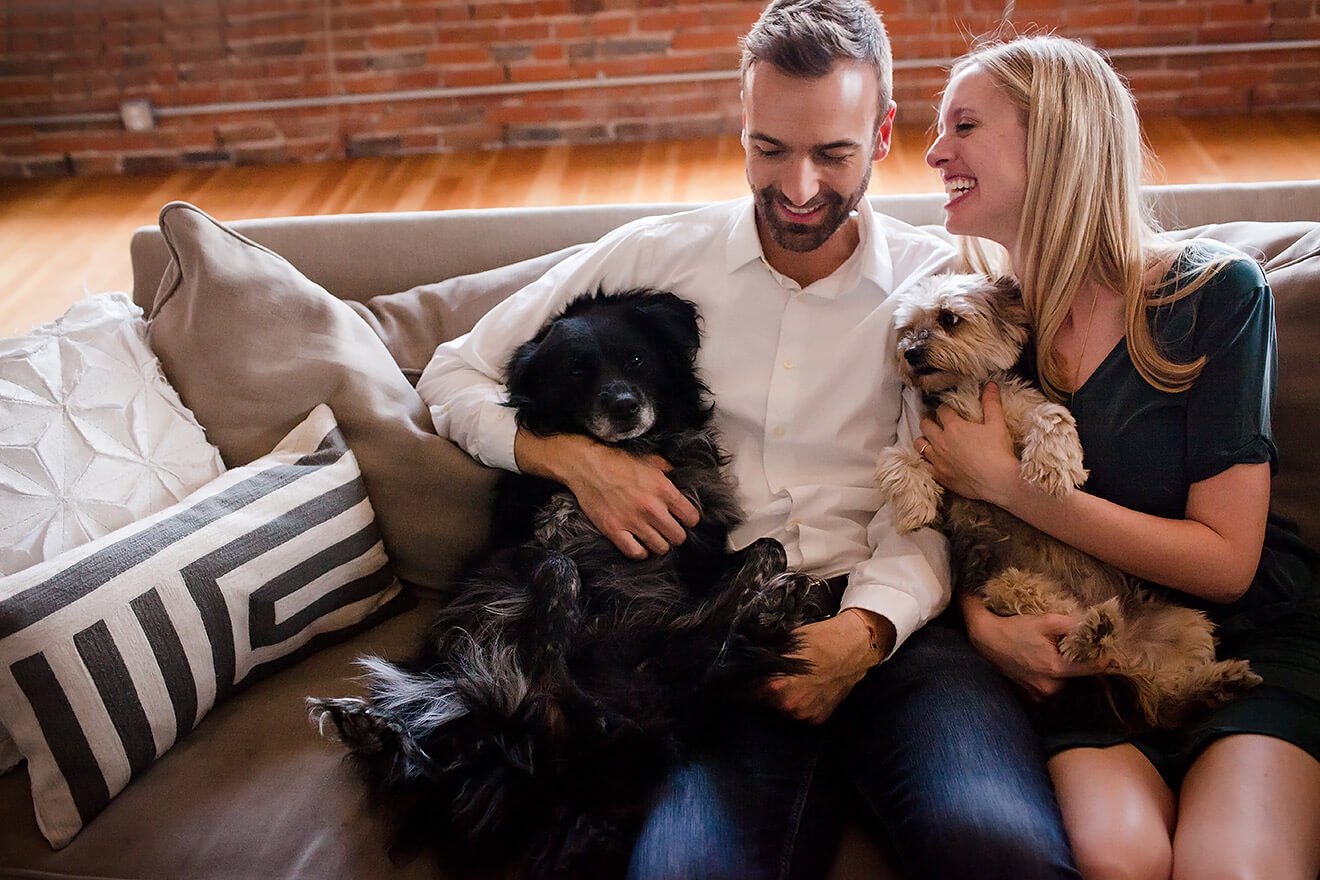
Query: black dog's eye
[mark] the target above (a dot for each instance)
(948, 320)
(636, 362)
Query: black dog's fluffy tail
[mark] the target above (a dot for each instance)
(452, 754)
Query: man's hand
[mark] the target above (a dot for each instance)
(630, 499)
(840, 651)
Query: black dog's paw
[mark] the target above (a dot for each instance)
(357, 725)
(780, 605)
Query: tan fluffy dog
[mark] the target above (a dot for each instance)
(955, 334)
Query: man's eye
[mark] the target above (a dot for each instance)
(768, 152)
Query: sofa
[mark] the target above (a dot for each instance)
(261, 321)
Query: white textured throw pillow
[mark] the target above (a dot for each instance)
(92, 436)
(113, 651)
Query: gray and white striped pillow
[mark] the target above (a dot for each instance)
(112, 651)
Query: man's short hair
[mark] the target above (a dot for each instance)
(807, 37)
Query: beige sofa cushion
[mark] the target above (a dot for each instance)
(414, 322)
(252, 346)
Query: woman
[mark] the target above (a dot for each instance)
(1164, 352)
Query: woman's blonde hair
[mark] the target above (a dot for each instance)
(1083, 218)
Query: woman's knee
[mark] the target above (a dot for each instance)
(1118, 812)
(1236, 859)
(1109, 847)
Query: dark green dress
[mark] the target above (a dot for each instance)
(1145, 448)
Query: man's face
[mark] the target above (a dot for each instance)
(809, 145)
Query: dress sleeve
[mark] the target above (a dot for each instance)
(1230, 404)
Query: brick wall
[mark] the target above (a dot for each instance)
(495, 68)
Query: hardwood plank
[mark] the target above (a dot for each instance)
(61, 237)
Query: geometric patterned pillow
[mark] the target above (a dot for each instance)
(112, 651)
(92, 435)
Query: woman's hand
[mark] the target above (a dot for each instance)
(974, 459)
(1025, 647)
(630, 499)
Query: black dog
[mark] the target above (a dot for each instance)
(564, 679)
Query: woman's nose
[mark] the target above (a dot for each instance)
(938, 153)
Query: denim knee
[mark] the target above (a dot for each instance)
(691, 832)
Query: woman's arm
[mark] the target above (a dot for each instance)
(1212, 552)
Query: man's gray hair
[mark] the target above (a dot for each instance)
(807, 37)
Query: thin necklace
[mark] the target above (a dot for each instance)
(1081, 357)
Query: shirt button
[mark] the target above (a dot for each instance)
(779, 431)
(788, 365)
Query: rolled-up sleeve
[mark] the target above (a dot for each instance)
(906, 579)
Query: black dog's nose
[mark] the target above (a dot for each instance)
(620, 404)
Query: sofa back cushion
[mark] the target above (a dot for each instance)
(252, 346)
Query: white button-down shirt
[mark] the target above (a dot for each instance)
(804, 379)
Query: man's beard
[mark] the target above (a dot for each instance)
(802, 237)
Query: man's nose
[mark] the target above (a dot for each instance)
(802, 182)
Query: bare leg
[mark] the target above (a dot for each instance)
(1118, 812)
(1250, 807)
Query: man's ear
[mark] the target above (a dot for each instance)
(884, 133)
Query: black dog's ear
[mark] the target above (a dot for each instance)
(519, 376)
(673, 319)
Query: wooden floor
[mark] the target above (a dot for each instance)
(61, 238)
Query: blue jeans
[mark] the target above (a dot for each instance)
(932, 744)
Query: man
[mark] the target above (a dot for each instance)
(795, 286)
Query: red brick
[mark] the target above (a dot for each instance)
(474, 77)
(1243, 12)
(704, 39)
(669, 20)
(1097, 17)
(539, 72)
(1171, 15)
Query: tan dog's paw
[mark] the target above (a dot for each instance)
(1235, 677)
(1014, 591)
(1052, 451)
(908, 488)
(1095, 635)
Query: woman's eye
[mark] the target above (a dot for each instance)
(964, 127)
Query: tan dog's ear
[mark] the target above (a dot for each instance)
(1006, 298)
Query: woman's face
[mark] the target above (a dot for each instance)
(981, 154)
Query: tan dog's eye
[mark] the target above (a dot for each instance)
(948, 320)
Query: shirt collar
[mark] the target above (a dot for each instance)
(871, 262)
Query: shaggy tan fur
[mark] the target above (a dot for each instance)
(955, 334)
